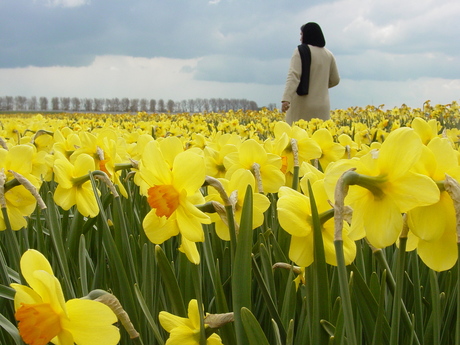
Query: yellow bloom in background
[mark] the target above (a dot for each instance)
(392, 187)
(236, 189)
(44, 316)
(294, 214)
(172, 196)
(330, 150)
(251, 152)
(71, 190)
(426, 130)
(185, 331)
(20, 203)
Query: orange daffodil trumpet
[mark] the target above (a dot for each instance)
(44, 316)
(172, 195)
(383, 186)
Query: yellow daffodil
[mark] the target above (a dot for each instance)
(330, 150)
(434, 226)
(74, 187)
(20, 203)
(390, 187)
(236, 189)
(172, 195)
(426, 130)
(44, 316)
(186, 331)
(294, 214)
(251, 153)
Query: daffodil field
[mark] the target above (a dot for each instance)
(231, 228)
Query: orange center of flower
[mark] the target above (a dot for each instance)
(284, 161)
(38, 323)
(163, 198)
(103, 167)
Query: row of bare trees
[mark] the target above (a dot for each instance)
(123, 105)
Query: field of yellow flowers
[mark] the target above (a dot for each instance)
(231, 228)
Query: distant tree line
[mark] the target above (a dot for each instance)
(123, 105)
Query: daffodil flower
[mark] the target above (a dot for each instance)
(294, 214)
(330, 150)
(172, 195)
(185, 331)
(44, 316)
(251, 152)
(433, 227)
(385, 187)
(236, 189)
(20, 203)
(74, 186)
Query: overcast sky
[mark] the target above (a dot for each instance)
(388, 51)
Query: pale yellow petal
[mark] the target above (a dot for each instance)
(412, 190)
(301, 250)
(429, 222)
(190, 250)
(382, 221)
(170, 321)
(84, 163)
(91, 323)
(159, 229)
(399, 152)
(439, 255)
(294, 212)
(188, 172)
(86, 200)
(65, 197)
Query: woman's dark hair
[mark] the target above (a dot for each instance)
(312, 35)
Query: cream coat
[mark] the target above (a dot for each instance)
(323, 75)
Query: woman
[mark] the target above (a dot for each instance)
(311, 73)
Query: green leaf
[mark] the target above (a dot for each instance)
(170, 281)
(148, 315)
(321, 287)
(241, 267)
(11, 329)
(254, 332)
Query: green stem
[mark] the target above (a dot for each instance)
(396, 312)
(345, 294)
(196, 274)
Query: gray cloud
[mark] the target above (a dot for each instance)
(232, 42)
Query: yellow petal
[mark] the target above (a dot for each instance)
(188, 172)
(65, 197)
(382, 221)
(429, 222)
(26, 295)
(439, 255)
(189, 249)
(399, 152)
(301, 250)
(32, 260)
(86, 200)
(170, 321)
(194, 314)
(159, 229)
(294, 212)
(84, 163)
(91, 323)
(412, 190)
